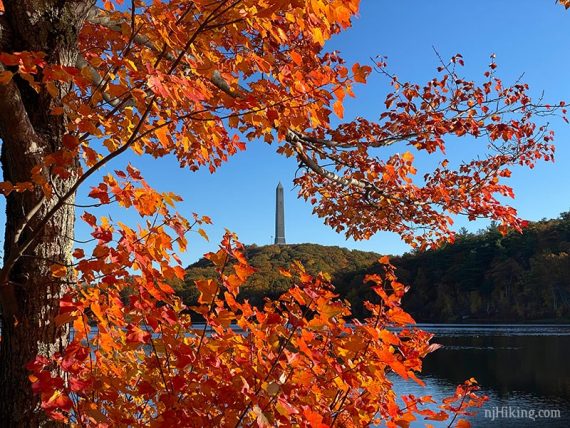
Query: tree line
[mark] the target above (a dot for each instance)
(482, 276)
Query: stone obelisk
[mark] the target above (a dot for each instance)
(279, 216)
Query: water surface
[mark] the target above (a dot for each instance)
(524, 369)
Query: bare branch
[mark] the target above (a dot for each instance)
(294, 139)
(383, 142)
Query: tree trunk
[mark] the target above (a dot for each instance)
(29, 295)
(30, 303)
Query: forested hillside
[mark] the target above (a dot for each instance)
(267, 281)
(481, 277)
(486, 277)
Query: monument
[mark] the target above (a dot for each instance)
(279, 216)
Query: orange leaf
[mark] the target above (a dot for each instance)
(298, 59)
(389, 337)
(137, 335)
(243, 271)
(78, 253)
(6, 187)
(314, 419)
(360, 72)
(219, 258)
(338, 109)
(399, 316)
(162, 135)
(58, 270)
(5, 77)
(207, 289)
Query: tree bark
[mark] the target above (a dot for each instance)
(29, 295)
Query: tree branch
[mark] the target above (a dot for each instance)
(98, 81)
(101, 17)
(297, 142)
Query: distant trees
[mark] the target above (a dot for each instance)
(484, 275)
(487, 276)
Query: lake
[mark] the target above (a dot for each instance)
(524, 369)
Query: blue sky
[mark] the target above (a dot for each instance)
(528, 36)
(531, 37)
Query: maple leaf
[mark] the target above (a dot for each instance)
(58, 271)
(339, 109)
(207, 290)
(360, 73)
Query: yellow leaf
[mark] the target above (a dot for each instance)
(408, 157)
(203, 234)
(318, 36)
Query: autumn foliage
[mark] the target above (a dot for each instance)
(199, 80)
(297, 361)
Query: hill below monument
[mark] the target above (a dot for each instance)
(267, 281)
(482, 277)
